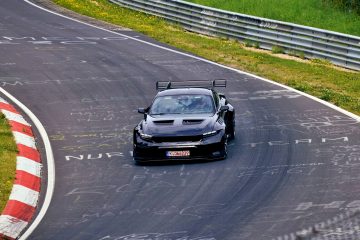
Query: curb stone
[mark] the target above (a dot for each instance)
(24, 196)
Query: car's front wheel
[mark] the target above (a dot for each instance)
(231, 130)
(225, 150)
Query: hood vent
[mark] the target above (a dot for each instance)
(192, 121)
(164, 122)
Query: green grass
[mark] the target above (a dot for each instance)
(314, 13)
(317, 78)
(277, 50)
(8, 151)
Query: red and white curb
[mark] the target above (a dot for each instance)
(24, 196)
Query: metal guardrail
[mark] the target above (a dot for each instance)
(340, 49)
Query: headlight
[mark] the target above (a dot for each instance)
(212, 133)
(145, 136)
(142, 135)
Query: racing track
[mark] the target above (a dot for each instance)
(295, 162)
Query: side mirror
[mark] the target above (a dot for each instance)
(224, 108)
(221, 95)
(141, 110)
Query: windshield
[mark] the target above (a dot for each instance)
(182, 104)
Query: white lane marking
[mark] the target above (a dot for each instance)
(50, 164)
(11, 226)
(15, 117)
(21, 138)
(207, 61)
(24, 195)
(28, 165)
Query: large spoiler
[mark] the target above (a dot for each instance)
(162, 85)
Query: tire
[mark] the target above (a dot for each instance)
(231, 132)
(225, 151)
(136, 162)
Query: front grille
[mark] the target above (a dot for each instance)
(164, 122)
(192, 121)
(177, 139)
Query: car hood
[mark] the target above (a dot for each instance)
(178, 125)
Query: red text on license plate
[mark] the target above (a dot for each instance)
(184, 153)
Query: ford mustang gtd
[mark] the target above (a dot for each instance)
(186, 121)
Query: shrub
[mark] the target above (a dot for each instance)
(248, 43)
(277, 49)
(298, 54)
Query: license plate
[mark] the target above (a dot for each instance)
(184, 153)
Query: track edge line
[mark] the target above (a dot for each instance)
(49, 160)
(343, 111)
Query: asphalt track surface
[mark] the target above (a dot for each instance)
(295, 162)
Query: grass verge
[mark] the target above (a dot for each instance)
(314, 13)
(8, 151)
(317, 78)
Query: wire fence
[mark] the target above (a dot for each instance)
(340, 49)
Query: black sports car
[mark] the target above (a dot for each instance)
(186, 121)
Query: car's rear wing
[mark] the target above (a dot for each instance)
(162, 85)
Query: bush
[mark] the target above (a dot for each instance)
(248, 43)
(327, 94)
(277, 49)
(301, 55)
(253, 44)
(298, 54)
